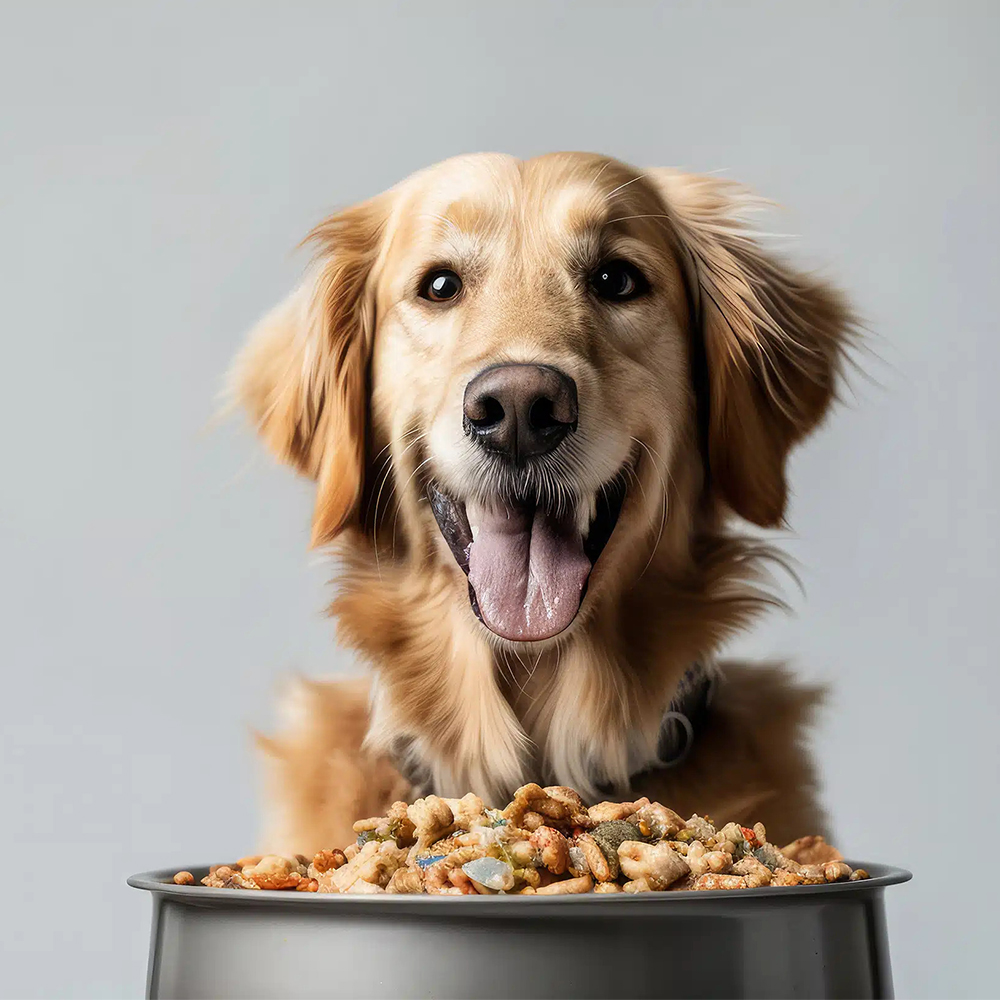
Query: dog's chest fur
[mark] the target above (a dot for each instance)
(567, 717)
(747, 763)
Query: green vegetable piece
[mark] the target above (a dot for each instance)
(610, 835)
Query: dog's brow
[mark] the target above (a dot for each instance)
(585, 221)
(450, 224)
(474, 217)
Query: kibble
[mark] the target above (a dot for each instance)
(544, 843)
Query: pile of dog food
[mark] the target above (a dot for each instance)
(545, 842)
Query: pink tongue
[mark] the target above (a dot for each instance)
(528, 572)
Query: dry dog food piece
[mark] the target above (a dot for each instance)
(324, 861)
(396, 825)
(445, 875)
(406, 880)
(377, 866)
(637, 885)
(699, 828)
(273, 872)
(658, 865)
(570, 885)
(610, 836)
(532, 821)
(657, 821)
(812, 874)
(811, 851)
(577, 864)
(755, 873)
(768, 854)
(713, 881)
(552, 847)
(545, 842)
(558, 805)
(225, 878)
(782, 876)
(701, 861)
(837, 871)
(432, 819)
(607, 812)
(374, 863)
(594, 859)
(467, 810)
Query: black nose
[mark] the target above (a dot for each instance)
(520, 410)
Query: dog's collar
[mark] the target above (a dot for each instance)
(685, 717)
(681, 724)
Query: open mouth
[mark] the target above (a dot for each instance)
(527, 566)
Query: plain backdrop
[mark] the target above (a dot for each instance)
(161, 162)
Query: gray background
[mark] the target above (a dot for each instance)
(160, 162)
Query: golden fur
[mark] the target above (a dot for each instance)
(701, 388)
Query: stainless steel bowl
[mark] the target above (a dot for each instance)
(807, 941)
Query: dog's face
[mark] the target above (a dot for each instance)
(525, 370)
(518, 307)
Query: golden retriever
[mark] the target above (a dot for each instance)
(535, 396)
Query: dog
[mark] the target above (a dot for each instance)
(537, 399)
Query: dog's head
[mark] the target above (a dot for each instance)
(540, 372)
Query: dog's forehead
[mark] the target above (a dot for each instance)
(580, 193)
(493, 199)
(469, 193)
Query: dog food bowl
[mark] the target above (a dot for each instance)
(803, 941)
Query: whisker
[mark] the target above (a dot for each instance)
(392, 493)
(597, 176)
(517, 656)
(611, 194)
(560, 645)
(398, 505)
(626, 218)
(505, 668)
(379, 474)
(663, 495)
(531, 673)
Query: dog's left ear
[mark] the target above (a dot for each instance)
(303, 376)
(773, 342)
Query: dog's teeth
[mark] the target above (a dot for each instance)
(474, 528)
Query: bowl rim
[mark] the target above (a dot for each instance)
(161, 881)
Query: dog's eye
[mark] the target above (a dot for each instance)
(440, 285)
(618, 281)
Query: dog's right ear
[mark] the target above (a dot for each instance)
(303, 375)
